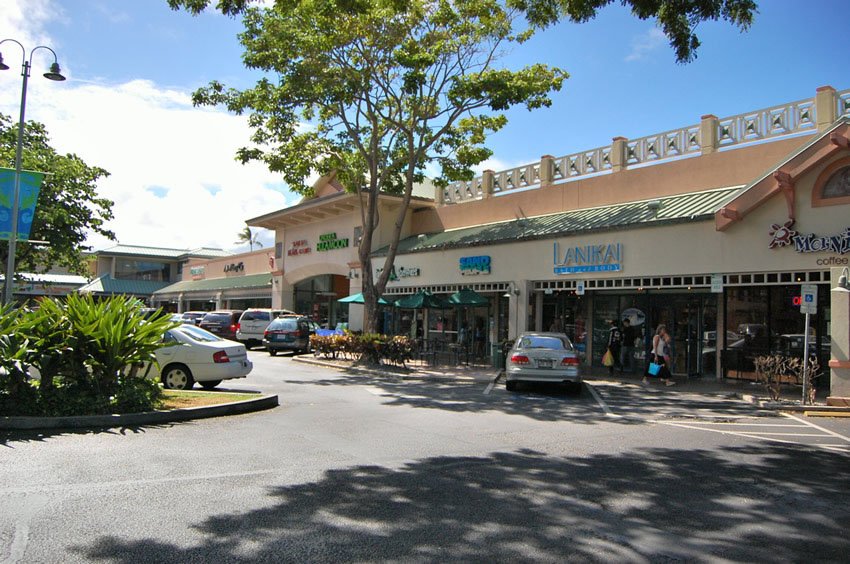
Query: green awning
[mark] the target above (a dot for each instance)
(250, 281)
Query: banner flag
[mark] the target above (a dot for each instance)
(28, 197)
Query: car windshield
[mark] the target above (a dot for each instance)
(541, 342)
(197, 334)
(217, 318)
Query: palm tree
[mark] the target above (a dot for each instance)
(248, 236)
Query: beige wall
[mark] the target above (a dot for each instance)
(255, 262)
(717, 170)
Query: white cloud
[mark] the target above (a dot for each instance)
(174, 178)
(644, 44)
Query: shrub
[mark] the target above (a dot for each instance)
(83, 351)
(371, 347)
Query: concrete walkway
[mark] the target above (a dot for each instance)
(747, 390)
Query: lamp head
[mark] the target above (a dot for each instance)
(55, 73)
(843, 283)
(3, 66)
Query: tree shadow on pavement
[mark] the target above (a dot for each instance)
(750, 503)
(9, 437)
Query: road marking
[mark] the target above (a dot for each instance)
(818, 427)
(601, 402)
(492, 383)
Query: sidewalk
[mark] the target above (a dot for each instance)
(746, 390)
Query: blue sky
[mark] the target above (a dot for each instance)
(133, 65)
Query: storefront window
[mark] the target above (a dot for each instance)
(129, 269)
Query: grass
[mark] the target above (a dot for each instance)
(174, 399)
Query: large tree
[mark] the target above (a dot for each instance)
(379, 90)
(68, 207)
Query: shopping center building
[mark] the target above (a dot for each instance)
(711, 229)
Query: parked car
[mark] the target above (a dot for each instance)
(192, 354)
(543, 357)
(253, 323)
(224, 322)
(289, 332)
(176, 318)
(193, 317)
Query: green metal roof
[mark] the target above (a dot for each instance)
(657, 211)
(263, 280)
(108, 285)
(163, 252)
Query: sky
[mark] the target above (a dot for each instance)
(132, 67)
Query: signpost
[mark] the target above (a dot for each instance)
(808, 306)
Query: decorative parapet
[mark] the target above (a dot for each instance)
(708, 136)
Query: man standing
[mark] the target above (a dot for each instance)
(627, 352)
(615, 341)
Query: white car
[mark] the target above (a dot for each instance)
(192, 354)
(543, 357)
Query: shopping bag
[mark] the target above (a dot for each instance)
(608, 358)
(654, 368)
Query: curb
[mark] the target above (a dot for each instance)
(396, 375)
(134, 419)
(824, 410)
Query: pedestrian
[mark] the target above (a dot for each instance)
(661, 354)
(627, 352)
(615, 341)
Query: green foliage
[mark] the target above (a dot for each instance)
(86, 354)
(387, 88)
(68, 207)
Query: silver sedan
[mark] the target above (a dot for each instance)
(543, 357)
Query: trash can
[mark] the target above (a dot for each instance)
(497, 356)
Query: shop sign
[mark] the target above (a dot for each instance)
(474, 265)
(328, 242)
(785, 236)
(400, 272)
(300, 247)
(198, 271)
(589, 258)
(234, 267)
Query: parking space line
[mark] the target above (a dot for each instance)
(818, 427)
(600, 401)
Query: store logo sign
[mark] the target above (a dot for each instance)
(328, 242)
(234, 267)
(197, 271)
(400, 272)
(300, 247)
(474, 265)
(785, 236)
(589, 258)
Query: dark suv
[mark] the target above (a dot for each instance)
(223, 322)
(289, 332)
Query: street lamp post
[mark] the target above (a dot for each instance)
(53, 74)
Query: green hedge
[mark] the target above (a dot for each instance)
(373, 348)
(78, 357)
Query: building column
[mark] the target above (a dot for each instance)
(708, 134)
(839, 363)
(547, 170)
(282, 292)
(487, 178)
(538, 311)
(618, 154)
(826, 107)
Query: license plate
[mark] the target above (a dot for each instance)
(544, 363)
(283, 338)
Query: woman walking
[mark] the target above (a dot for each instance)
(661, 353)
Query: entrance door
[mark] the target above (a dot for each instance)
(689, 319)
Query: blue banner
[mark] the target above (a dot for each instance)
(30, 185)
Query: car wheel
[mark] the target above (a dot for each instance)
(510, 385)
(273, 352)
(210, 384)
(177, 377)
